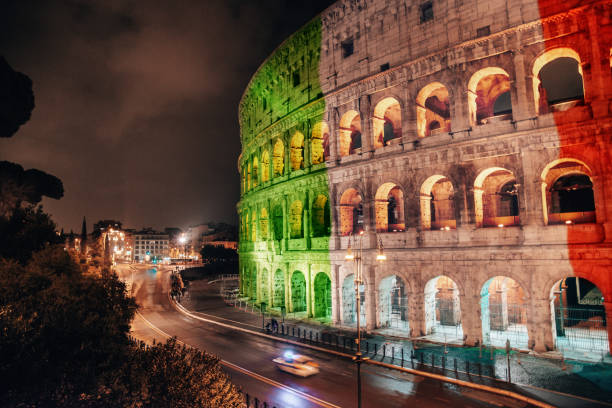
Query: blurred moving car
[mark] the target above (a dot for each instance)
(296, 364)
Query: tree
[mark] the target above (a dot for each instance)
(25, 231)
(84, 237)
(16, 99)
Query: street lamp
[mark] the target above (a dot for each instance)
(183, 240)
(357, 259)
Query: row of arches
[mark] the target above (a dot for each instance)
(578, 317)
(557, 86)
(566, 188)
(289, 293)
(290, 219)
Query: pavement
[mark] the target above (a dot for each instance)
(530, 374)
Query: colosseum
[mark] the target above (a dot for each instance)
(467, 142)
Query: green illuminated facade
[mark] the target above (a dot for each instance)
(284, 208)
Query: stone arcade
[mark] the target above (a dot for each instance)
(472, 139)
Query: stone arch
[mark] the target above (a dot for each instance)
(255, 171)
(567, 192)
(323, 296)
(264, 295)
(277, 222)
(321, 217)
(278, 158)
(386, 122)
(351, 212)
(349, 302)
(278, 288)
(298, 292)
(433, 109)
(563, 91)
(489, 96)
(253, 284)
(578, 316)
(265, 166)
(296, 156)
(437, 204)
(503, 307)
(496, 198)
(389, 208)
(393, 305)
(263, 224)
(442, 309)
(296, 222)
(350, 133)
(319, 151)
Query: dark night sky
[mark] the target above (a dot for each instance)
(136, 101)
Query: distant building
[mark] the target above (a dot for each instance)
(150, 246)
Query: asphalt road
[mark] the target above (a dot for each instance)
(248, 360)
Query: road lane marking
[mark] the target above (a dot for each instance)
(269, 381)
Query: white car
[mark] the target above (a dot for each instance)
(296, 364)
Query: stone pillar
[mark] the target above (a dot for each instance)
(409, 118)
(416, 311)
(366, 116)
(539, 325)
(370, 296)
(520, 105)
(309, 292)
(288, 304)
(608, 309)
(599, 77)
(334, 136)
(285, 224)
(459, 107)
(335, 275)
(470, 319)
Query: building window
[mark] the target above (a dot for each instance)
(384, 67)
(427, 12)
(347, 48)
(296, 79)
(483, 31)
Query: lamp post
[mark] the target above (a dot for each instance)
(357, 259)
(183, 242)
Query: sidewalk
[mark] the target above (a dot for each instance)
(487, 366)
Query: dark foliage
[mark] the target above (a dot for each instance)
(16, 99)
(25, 231)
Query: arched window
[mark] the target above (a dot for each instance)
(350, 133)
(389, 208)
(295, 220)
(568, 190)
(278, 158)
(321, 217)
(255, 171)
(433, 110)
(557, 81)
(263, 224)
(351, 212)
(297, 151)
(437, 204)
(277, 222)
(265, 166)
(387, 122)
(489, 96)
(319, 151)
(496, 198)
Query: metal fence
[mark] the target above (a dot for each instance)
(581, 329)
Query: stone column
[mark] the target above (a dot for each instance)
(520, 105)
(599, 77)
(335, 275)
(416, 311)
(459, 107)
(470, 319)
(287, 274)
(409, 119)
(608, 309)
(366, 124)
(309, 292)
(539, 325)
(334, 135)
(370, 296)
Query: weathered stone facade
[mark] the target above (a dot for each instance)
(448, 138)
